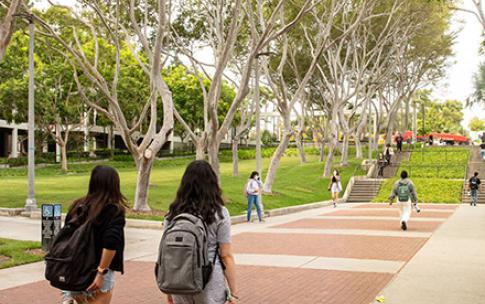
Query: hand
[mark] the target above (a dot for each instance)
(233, 300)
(97, 283)
(169, 299)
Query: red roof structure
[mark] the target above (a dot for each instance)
(438, 136)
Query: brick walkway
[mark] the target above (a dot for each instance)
(294, 282)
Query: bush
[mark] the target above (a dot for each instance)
(267, 138)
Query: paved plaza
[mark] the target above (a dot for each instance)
(347, 255)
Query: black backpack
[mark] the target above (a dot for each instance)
(71, 263)
(474, 182)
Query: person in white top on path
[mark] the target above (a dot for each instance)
(253, 190)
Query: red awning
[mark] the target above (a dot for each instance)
(438, 136)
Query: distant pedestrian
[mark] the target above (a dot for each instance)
(399, 142)
(430, 140)
(381, 164)
(482, 150)
(335, 187)
(388, 153)
(405, 191)
(253, 190)
(474, 185)
(196, 257)
(103, 208)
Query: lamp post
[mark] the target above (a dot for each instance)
(30, 203)
(257, 116)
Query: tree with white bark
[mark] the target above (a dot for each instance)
(145, 36)
(229, 26)
(7, 23)
(288, 90)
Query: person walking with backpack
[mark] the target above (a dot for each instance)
(474, 185)
(253, 190)
(405, 191)
(335, 187)
(88, 250)
(388, 153)
(195, 257)
(399, 142)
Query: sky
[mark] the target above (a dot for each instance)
(458, 83)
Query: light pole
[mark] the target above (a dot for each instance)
(30, 203)
(257, 116)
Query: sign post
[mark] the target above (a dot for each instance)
(51, 223)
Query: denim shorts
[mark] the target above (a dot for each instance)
(108, 285)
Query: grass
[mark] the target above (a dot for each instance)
(18, 253)
(446, 163)
(429, 190)
(295, 183)
(437, 174)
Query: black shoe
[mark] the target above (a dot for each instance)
(404, 226)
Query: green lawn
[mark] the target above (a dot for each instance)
(18, 253)
(429, 190)
(446, 163)
(437, 172)
(295, 183)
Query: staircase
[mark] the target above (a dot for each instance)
(364, 190)
(476, 164)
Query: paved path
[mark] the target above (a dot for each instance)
(343, 256)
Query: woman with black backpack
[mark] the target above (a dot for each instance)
(103, 211)
(199, 197)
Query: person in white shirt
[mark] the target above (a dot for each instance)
(252, 192)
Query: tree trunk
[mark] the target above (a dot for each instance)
(235, 157)
(300, 146)
(333, 146)
(111, 146)
(390, 126)
(406, 118)
(199, 150)
(329, 163)
(213, 153)
(64, 157)
(275, 161)
(345, 149)
(358, 147)
(144, 167)
(322, 151)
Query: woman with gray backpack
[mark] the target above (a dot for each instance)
(195, 255)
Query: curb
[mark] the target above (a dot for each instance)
(158, 225)
(11, 211)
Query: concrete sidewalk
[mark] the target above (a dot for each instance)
(450, 268)
(326, 255)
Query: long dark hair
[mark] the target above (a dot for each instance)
(198, 194)
(104, 189)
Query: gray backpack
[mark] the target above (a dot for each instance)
(403, 192)
(183, 266)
